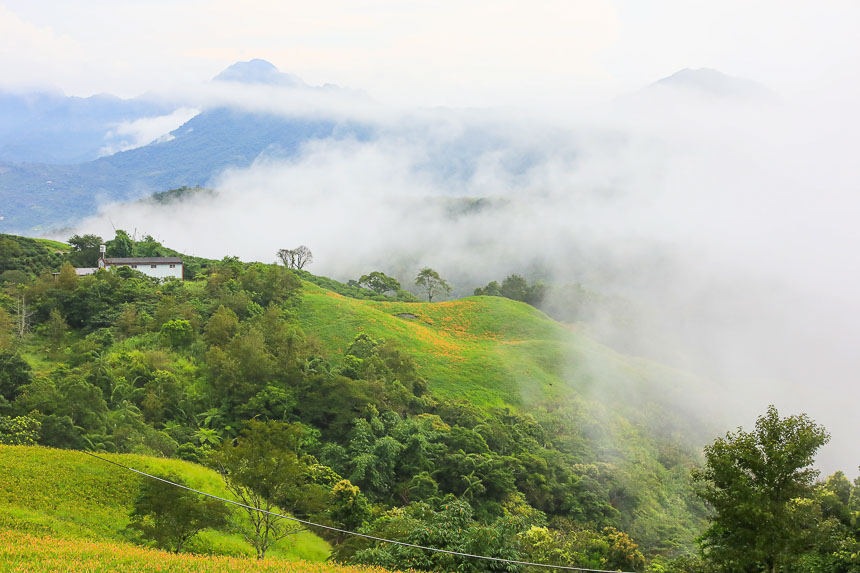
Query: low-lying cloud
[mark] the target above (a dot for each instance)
(133, 134)
(732, 227)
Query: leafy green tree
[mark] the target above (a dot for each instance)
(9, 249)
(129, 322)
(221, 327)
(242, 368)
(833, 526)
(170, 516)
(7, 326)
(121, 246)
(757, 483)
(623, 552)
(14, 277)
(379, 282)
(430, 281)
(15, 372)
(55, 330)
(515, 287)
(348, 507)
(492, 289)
(263, 468)
(149, 247)
(450, 527)
(177, 333)
(86, 250)
(67, 279)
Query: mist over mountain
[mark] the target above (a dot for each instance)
(48, 127)
(250, 111)
(37, 193)
(713, 83)
(258, 71)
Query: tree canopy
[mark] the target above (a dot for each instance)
(759, 484)
(379, 282)
(264, 468)
(170, 516)
(86, 253)
(430, 281)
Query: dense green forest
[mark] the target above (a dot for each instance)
(478, 425)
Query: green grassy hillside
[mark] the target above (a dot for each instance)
(493, 352)
(482, 400)
(68, 494)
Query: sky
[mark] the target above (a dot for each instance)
(473, 53)
(734, 224)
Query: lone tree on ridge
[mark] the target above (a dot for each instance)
(431, 282)
(296, 258)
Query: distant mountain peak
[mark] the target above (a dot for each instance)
(711, 82)
(258, 71)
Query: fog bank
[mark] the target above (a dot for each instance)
(730, 225)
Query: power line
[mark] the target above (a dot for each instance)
(355, 533)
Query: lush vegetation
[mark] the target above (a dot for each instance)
(769, 514)
(476, 425)
(69, 495)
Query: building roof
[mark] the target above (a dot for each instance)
(144, 261)
(84, 271)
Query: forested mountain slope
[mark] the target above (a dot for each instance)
(534, 435)
(44, 196)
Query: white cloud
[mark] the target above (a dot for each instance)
(35, 55)
(133, 134)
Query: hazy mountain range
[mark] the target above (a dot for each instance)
(60, 157)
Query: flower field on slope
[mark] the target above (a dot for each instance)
(22, 552)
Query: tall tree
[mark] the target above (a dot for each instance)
(379, 282)
(296, 258)
(86, 253)
(756, 483)
(287, 257)
(121, 245)
(303, 255)
(170, 516)
(55, 329)
(430, 281)
(263, 469)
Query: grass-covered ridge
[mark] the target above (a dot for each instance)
(492, 350)
(70, 495)
(499, 353)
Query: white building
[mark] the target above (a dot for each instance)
(157, 267)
